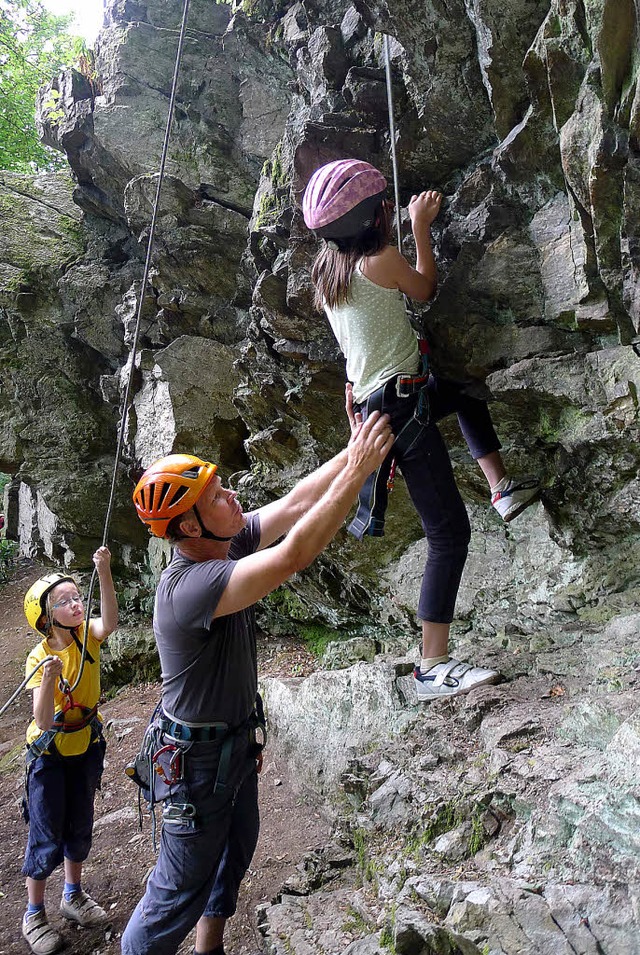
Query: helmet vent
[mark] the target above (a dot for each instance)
(170, 495)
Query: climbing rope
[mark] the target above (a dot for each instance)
(132, 356)
(413, 318)
(392, 138)
(136, 333)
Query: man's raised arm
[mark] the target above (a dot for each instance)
(258, 574)
(279, 516)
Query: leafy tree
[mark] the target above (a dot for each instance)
(34, 45)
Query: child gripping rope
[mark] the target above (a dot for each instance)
(360, 281)
(65, 746)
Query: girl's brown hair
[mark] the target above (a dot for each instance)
(333, 267)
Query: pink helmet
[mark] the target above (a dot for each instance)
(341, 197)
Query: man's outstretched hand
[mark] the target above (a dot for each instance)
(370, 443)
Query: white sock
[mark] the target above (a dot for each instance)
(502, 485)
(427, 663)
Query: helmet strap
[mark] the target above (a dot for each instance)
(207, 533)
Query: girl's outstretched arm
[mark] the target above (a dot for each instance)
(422, 211)
(391, 270)
(107, 622)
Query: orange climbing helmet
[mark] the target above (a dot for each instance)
(170, 487)
(35, 601)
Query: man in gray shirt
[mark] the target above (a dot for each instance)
(205, 631)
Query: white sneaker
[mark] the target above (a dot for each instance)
(40, 937)
(82, 909)
(451, 679)
(512, 495)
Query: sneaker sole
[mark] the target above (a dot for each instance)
(85, 924)
(455, 691)
(510, 515)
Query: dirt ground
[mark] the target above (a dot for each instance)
(292, 823)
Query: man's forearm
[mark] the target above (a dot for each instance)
(315, 529)
(310, 489)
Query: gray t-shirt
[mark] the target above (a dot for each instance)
(209, 667)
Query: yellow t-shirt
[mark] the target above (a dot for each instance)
(87, 693)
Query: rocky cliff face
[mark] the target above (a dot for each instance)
(527, 117)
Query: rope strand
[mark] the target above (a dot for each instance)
(392, 138)
(132, 357)
(136, 333)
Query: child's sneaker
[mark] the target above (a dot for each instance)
(82, 909)
(451, 679)
(512, 495)
(40, 937)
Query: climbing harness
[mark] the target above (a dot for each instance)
(372, 499)
(45, 743)
(164, 752)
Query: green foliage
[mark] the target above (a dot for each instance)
(8, 551)
(274, 201)
(368, 868)
(34, 45)
(355, 923)
(317, 638)
(4, 480)
(286, 602)
(387, 935)
(386, 940)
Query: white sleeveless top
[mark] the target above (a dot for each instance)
(374, 334)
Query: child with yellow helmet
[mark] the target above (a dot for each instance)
(65, 746)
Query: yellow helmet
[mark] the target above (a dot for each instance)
(36, 596)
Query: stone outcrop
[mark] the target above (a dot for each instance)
(500, 823)
(527, 117)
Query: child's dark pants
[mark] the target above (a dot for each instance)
(427, 470)
(60, 796)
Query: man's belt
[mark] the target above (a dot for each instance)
(193, 734)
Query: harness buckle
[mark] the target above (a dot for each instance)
(407, 386)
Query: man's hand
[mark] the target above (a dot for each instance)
(370, 443)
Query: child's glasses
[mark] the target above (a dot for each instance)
(77, 599)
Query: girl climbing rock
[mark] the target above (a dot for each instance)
(360, 280)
